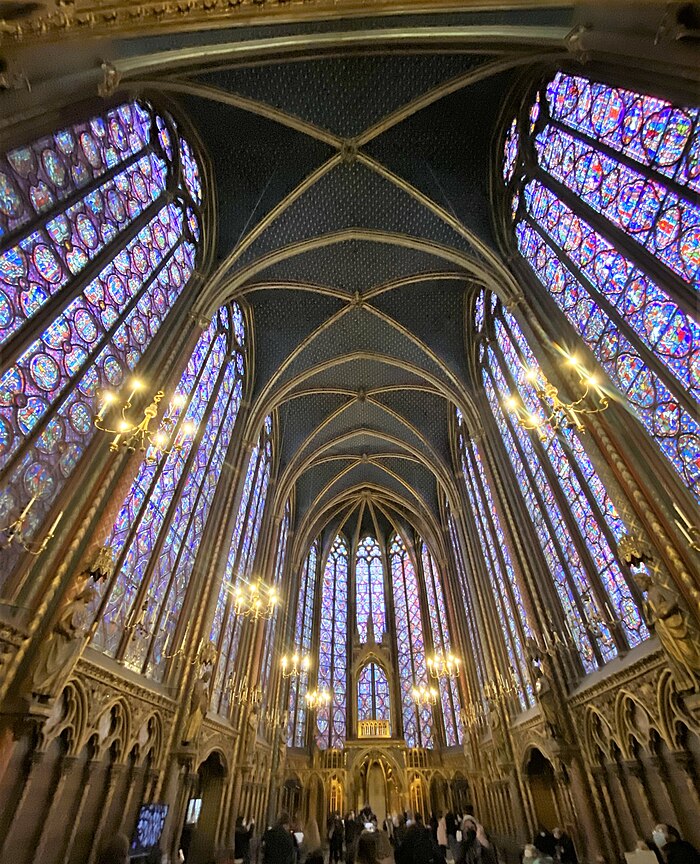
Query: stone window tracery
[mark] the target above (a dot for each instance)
(99, 231)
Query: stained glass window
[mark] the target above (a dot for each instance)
(413, 671)
(373, 694)
(94, 235)
(575, 520)
(156, 535)
(332, 656)
(467, 600)
(303, 629)
(369, 589)
(499, 568)
(608, 219)
(437, 613)
(226, 627)
(271, 625)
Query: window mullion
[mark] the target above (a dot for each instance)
(679, 290)
(31, 330)
(650, 359)
(188, 522)
(647, 171)
(144, 585)
(552, 533)
(584, 555)
(106, 339)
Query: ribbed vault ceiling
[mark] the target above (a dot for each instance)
(353, 212)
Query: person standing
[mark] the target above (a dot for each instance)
(336, 838)
(242, 836)
(278, 843)
(674, 850)
(564, 852)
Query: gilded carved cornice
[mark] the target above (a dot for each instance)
(65, 18)
(122, 686)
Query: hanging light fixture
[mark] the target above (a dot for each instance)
(556, 413)
(133, 434)
(316, 699)
(15, 531)
(424, 696)
(293, 665)
(442, 665)
(253, 599)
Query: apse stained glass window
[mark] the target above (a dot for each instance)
(575, 520)
(226, 627)
(413, 671)
(332, 656)
(96, 238)
(437, 613)
(373, 694)
(494, 550)
(369, 589)
(303, 629)
(608, 219)
(271, 625)
(157, 533)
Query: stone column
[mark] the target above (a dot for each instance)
(78, 814)
(114, 773)
(601, 796)
(685, 761)
(35, 761)
(66, 763)
(636, 770)
(618, 771)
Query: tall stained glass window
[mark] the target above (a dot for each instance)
(226, 627)
(156, 535)
(417, 722)
(99, 229)
(604, 185)
(574, 518)
(467, 600)
(333, 652)
(303, 629)
(369, 589)
(498, 565)
(449, 692)
(271, 625)
(373, 694)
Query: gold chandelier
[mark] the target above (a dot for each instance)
(132, 434)
(253, 600)
(556, 413)
(316, 699)
(293, 665)
(444, 665)
(424, 696)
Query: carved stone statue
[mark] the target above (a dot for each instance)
(59, 651)
(670, 623)
(252, 731)
(497, 734)
(543, 689)
(199, 705)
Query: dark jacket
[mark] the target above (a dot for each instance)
(278, 846)
(682, 852)
(242, 842)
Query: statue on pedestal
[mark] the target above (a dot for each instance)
(669, 621)
(60, 649)
(199, 698)
(543, 689)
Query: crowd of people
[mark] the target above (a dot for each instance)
(405, 839)
(358, 839)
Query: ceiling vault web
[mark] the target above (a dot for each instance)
(355, 256)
